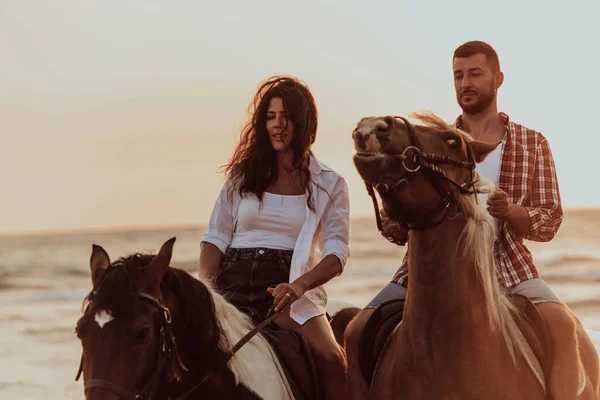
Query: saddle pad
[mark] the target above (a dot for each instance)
(377, 330)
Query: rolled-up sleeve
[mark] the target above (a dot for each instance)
(221, 224)
(335, 224)
(544, 209)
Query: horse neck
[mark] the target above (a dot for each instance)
(445, 295)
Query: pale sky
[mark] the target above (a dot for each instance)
(119, 113)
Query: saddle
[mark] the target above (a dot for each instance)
(387, 317)
(375, 334)
(297, 359)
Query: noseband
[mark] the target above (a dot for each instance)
(167, 350)
(413, 159)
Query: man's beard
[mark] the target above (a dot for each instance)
(484, 100)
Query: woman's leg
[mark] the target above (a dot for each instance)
(331, 360)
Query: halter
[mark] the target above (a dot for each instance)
(166, 349)
(413, 159)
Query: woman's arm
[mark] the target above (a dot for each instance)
(210, 260)
(218, 236)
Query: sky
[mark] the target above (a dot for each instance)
(120, 113)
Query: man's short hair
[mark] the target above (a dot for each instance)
(474, 47)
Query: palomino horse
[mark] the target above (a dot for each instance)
(461, 336)
(150, 331)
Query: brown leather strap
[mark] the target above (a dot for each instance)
(104, 384)
(251, 334)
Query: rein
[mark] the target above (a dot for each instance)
(413, 159)
(167, 348)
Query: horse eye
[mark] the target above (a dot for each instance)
(452, 143)
(142, 334)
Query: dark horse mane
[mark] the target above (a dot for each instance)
(194, 316)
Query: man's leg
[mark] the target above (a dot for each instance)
(564, 375)
(359, 389)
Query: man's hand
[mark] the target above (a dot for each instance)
(498, 204)
(516, 216)
(392, 230)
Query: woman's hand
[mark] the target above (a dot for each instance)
(285, 294)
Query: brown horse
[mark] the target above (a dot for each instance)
(461, 337)
(150, 331)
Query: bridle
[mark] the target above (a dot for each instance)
(167, 349)
(413, 159)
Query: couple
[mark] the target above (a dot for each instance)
(279, 229)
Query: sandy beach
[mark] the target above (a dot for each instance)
(44, 278)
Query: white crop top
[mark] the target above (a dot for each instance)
(276, 225)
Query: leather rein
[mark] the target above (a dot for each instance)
(167, 348)
(413, 159)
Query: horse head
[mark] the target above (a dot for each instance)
(416, 169)
(133, 330)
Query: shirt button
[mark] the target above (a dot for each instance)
(261, 251)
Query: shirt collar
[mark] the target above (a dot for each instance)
(316, 166)
(505, 120)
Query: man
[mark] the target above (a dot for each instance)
(525, 205)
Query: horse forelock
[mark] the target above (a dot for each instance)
(115, 288)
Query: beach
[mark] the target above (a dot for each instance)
(44, 278)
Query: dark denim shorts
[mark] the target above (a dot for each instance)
(246, 273)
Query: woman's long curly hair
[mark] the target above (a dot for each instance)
(253, 165)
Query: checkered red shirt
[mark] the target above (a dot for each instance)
(528, 176)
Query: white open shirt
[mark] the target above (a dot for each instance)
(325, 232)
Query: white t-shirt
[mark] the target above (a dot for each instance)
(490, 170)
(275, 225)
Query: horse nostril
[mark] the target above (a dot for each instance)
(359, 140)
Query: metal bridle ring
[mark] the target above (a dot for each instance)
(382, 188)
(414, 159)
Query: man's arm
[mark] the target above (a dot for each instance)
(540, 219)
(544, 209)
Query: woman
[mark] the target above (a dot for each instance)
(279, 209)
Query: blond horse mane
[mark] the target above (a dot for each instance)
(477, 244)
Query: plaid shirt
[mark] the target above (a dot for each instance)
(528, 176)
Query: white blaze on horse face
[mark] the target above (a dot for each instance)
(367, 130)
(103, 317)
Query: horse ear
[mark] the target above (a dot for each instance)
(99, 261)
(156, 270)
(482, 149)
